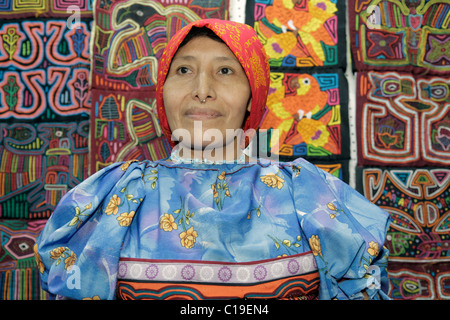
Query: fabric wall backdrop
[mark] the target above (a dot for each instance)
(44, 126)
(77, 94)
(401, 53)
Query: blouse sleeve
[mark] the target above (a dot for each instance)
(346, 233)
(78, 250)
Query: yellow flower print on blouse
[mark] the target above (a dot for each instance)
(64, 254)
(296, 170)
(272, 180)
(314, 243)
(214, 189)
(331, 206)
(286, 245)
(188, 238)
(38, 259)
(125, 165)
(336, 210)
(151, 176)
(167, 222)
(113, 205)
(125, 218)
(76, 220)
(70, 260)
(220, 190)
(57, 253)
(373, 249)
(181, 217)
(93, 298)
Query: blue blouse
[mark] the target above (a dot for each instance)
(200, 224)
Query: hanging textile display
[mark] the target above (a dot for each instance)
(418, 239)
(129, 38)
(401, 54)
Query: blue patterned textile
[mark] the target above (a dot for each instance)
(230, 213)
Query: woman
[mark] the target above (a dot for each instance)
(202, 226)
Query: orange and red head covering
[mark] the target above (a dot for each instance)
(244, 43)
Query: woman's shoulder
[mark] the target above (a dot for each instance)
(122, 169)
(293, 167)
(111, 179)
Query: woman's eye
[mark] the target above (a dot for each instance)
(183, 70)
(225, 71)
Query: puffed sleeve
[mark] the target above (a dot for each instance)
(346, 233)
(78, 250)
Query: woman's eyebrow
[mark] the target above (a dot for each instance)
(193, 58)
(184, 58)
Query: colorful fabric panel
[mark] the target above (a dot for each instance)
(287, 277)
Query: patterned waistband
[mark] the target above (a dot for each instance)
(216, 272)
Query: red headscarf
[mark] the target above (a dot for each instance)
(244, 43)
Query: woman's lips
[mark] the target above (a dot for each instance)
(202, 113)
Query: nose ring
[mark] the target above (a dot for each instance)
(203, 101)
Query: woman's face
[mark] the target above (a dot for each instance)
(206, 92)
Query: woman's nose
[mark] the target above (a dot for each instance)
(203, 87)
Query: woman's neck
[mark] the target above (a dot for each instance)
(228, 154)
